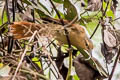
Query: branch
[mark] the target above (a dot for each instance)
(115, 64)
(95, 30)
(71, 22)
(61, 20)
(7, 11)
(68, 40)
(22, 57)
(116, 19)
(29, 71)
(13, 9)
(106, 8)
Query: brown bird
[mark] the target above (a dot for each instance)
(77, 34)
(86, 71)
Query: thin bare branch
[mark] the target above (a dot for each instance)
(95, 30)
(7, 11)
(115, 64)
(22, 57)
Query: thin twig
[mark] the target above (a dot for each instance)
(10, 44)
(32, 12)
(13, 9)
(54, 66)
(50, 43)
(104, 14)
(61, 20)
(95, 30)
(7, 11)
(115, 19)
(71, 22)
(50, 69)
(2, 26)
(22, 57)
(33, 64)
(115, 64)
(70, 64)
(99, 21)
(67, 37)
(2, 16)
(34, 73)
(106, 8)
(53, 74)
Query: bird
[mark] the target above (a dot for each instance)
(77, 33)
(83, 67)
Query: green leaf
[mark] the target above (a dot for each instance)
(70, 10)
(40, 8)
(3, 22)
(58, 1)
(85, 20)
(82, 22)
(36, 60)
(40, 13)
(75, 77)
(61, 14)
(109, 12)
(3, 17)
(1, 65)
(91, 26)
(43, 6)
(86, 1)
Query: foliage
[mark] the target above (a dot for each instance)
(44, 55)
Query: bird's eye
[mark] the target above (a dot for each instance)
(57, 31)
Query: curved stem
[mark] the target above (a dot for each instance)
(70, 65)
(114, 66)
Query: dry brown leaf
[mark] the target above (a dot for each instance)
(94, 5)
(109, 39)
